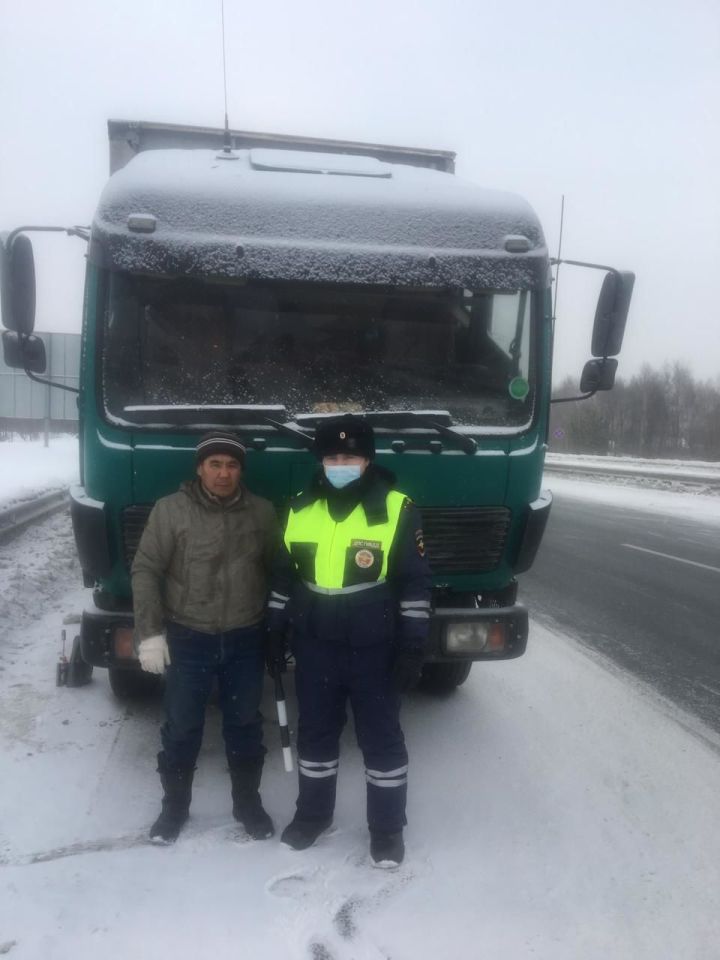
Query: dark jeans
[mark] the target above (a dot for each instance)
(196, 659)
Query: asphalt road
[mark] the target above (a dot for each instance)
(641, 588)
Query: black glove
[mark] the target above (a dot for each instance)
(275, 647)
(407, 668)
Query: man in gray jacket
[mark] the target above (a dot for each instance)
(199, 582)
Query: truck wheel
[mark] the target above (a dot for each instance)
(133, 684)
(444, 677)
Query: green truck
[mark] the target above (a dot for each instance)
(262, 282)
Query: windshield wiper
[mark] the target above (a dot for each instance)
(306, 440)
(409, 419)
(236, 415)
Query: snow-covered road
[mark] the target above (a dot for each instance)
(556, 811)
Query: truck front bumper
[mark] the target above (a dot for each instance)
(456, 633)
(477, 633)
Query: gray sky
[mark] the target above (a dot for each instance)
(616, 105)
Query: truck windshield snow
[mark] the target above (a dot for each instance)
(316, 349)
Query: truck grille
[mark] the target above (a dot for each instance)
(457, 539)
(465, 539)
(134, 519)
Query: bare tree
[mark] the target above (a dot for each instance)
(657, 413)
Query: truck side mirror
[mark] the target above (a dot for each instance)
(24, 352)
(611, 314)
(598, 375)
(17, 283)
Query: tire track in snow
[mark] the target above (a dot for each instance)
(215, 830)
(330, 903)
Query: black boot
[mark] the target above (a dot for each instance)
(387, 849)
(247, 806)
(177, 784)
(301, 834)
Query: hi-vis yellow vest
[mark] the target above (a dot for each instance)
(346, 556)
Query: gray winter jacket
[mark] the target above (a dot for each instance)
(203, 563)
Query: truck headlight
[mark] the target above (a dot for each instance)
(475, 637)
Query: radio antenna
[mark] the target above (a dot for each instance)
(557, 268)
(227, 143)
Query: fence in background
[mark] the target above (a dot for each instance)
(30, 408)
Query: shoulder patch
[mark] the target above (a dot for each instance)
(420, 542)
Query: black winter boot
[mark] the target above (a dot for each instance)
(247, 805)
(177, 784)
(301, 834)
(387, 849)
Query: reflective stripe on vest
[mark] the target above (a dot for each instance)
(335, 556)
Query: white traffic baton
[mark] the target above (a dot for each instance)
(282, 722)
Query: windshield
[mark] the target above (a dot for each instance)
(318, 349)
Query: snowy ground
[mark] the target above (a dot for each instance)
(556, 811)
(695, 477)
(29, 468)
(698, 468)
(692, 506)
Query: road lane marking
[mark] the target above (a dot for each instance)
(669, 556)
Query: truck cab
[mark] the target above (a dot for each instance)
(277, 281)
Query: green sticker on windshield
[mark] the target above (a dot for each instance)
(518, 388)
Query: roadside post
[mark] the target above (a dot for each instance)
(282, 722)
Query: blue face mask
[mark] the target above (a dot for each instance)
(340, 476)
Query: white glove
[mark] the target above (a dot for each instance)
(153, 654)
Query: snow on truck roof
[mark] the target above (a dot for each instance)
(296, 215)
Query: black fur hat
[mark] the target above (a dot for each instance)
(349, 435)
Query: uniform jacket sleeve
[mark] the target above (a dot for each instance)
(410, 579)
(149, 567)
(282, 584)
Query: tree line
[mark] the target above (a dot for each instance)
(657, 413)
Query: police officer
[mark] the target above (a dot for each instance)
(353, 579)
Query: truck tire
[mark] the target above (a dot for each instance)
(444, 677)
(133, 684)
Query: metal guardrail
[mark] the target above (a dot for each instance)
(15, 518)
(640, 470)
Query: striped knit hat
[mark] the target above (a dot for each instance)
(218, 441)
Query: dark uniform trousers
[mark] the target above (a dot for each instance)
(343, 652)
